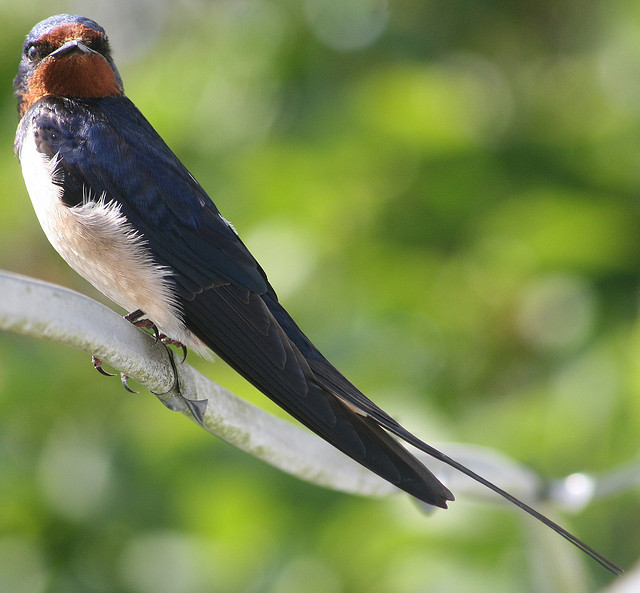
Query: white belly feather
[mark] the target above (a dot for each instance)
(98, 242)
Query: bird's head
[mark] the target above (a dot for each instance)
(69, 56)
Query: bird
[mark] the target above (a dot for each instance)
(124, 212)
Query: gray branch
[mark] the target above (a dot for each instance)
(42, 310)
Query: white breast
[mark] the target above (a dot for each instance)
(98, 242)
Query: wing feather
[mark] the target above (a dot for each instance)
(225, 297)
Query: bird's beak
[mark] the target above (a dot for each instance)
(75, 45)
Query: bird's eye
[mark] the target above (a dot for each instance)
(32, 53)
(99, 44)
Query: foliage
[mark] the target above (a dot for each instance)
(445, 196)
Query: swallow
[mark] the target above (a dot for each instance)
(125, 213)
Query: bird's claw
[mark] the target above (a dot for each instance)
(139, 321)
(125, 383)
(97, 364)
(171, 342)
(137, 318)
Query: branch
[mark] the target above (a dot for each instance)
(42, 310)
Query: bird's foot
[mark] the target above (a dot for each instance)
(170, 342)
(138, 319)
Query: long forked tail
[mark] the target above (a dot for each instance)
(259, 339)
(405, 435)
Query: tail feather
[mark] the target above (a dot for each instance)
(277, 358)
(436, 454)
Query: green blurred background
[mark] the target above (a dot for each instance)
(446, 196)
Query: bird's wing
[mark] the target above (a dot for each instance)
(225, 296)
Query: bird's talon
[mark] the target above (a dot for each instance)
(148, 324)
(97, 364)
(171, 342)
(137, 318)
(125, 383)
